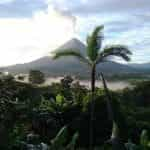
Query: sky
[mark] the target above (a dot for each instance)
(30, 29)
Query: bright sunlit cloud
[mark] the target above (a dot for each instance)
(30, 29)
(26, 39)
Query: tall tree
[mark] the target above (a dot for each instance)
(95, 54)
(36, 77)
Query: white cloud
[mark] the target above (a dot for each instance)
(128, 29)
(100, 6)
(5, 1)
(23, 40)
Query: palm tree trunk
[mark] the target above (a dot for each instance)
(93, 71)
(115, 140)
(109, 101)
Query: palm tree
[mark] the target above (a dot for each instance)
(95, 55)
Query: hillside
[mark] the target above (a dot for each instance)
(70, 65)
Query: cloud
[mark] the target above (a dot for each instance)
(26, 8)
(33, 27)
(126, 22)
(26, 39)
(6, 1)
(131, 29)
(21, 8)
(97, 6)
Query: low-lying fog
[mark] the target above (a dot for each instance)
(113, 85)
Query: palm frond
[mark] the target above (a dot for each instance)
(70, 52)
(115, 50)
(94, 43)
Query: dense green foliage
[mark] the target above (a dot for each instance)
(26, 109)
